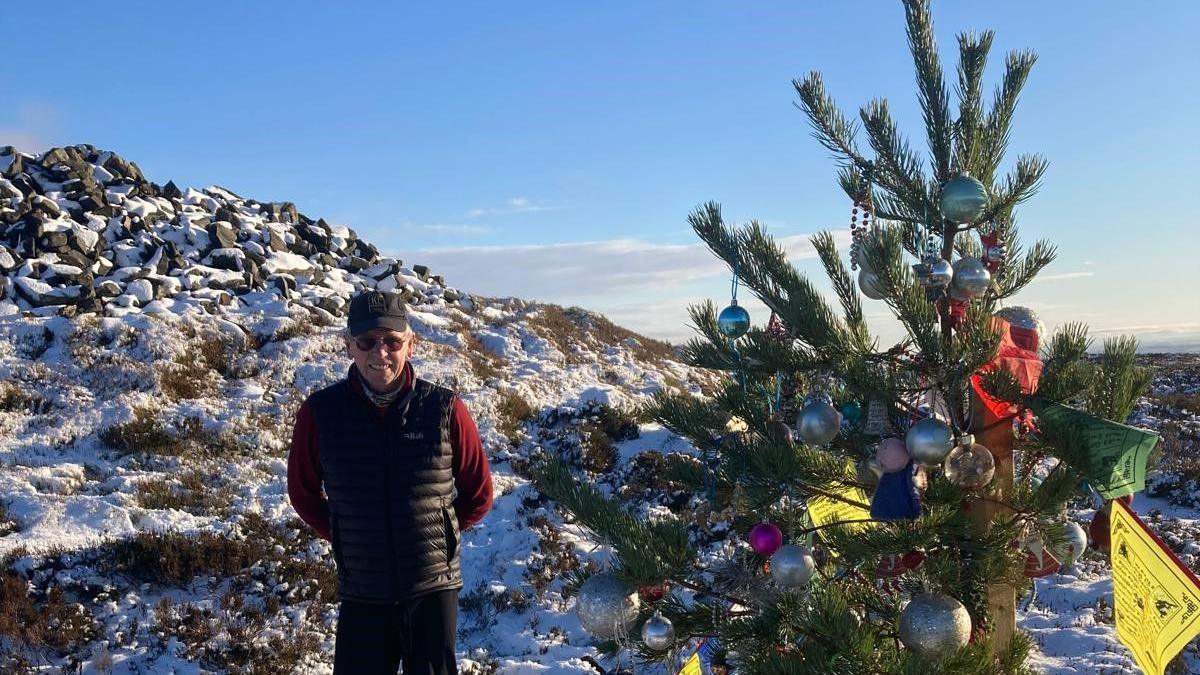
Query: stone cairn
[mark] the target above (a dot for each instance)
(82, 230)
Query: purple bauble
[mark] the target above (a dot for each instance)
(892, 455)
(766, 539)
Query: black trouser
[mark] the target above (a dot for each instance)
(374, 639)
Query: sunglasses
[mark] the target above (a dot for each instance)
(392, 343)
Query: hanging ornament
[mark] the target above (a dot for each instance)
(1071, 546)
(941, 273)
(792, 566)
(1023, 318)
(818, 422)
(878, 423)
(868, 282)
(970, 465)
(765, 539)
(776, 330)
(658, 633)
(779, 432)
(734, 321)
(994, 250)
(1039, 562)
(1099, 529)
(892, 455)
(896, 497)
(867, 472)
(894, 565)
(934, 625)
(858, 232)
(653, 592)
(971, 278)
(606, 606)
(851, 412)
(929, 441)
(963, 199)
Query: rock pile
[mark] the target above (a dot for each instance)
(82, 230)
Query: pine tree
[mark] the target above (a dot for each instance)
(976, 374)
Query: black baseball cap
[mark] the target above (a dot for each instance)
(377, 309)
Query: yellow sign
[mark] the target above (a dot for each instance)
(1157, 599)
(852, 505)
(692, 665)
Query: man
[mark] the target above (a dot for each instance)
(389, 468)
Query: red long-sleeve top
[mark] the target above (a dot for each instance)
(472, 477)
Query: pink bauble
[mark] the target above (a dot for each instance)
(892, 455)
(765, 539)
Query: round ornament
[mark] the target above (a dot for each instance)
(963, 199)
(778, 431)
(792, 566)
(765, 539)
(971, 278)
(868, 282)
(929, 441)
(1069, 549)
(851, 412)
(892, 455)
(733, 321)
(970, 465)
(658, 633)
(934, 625)
(606, 606)
(941, 273)
(818, 422)
(1022, 317)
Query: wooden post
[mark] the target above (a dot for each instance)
(1002, 599)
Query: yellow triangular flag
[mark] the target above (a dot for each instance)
(1156, 598)
(692, 665)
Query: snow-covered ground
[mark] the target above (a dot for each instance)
(72, 494)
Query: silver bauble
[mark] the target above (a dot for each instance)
(1069, 549)
(971, 278)
(1022, 317)
(970, 466)
(963, 199)
(818, 422)
(868, 282)
(606, 606)
(792, 566)
(934, 625)
(929, 441)
(658, 633)
(941, 273)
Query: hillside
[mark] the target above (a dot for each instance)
(155, 343)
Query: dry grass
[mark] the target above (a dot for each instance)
(196, 491)
(512, 412)
(573, 326)
(38, 625)
(148, 433)
(14, 398)
(8, 525)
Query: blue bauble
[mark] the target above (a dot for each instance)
(733, 321)
(963, 199)
(851, 412)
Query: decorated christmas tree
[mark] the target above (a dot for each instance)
(887, 503)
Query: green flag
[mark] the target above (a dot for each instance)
(1116, 453)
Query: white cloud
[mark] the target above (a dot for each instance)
(514, 205)
(597, 271)
(448, 228)
(1061, 276)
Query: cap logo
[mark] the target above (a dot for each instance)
(376, 303)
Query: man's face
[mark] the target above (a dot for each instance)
(381, 362)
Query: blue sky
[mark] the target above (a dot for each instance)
(554, 150)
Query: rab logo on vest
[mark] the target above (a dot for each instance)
(412, 436)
